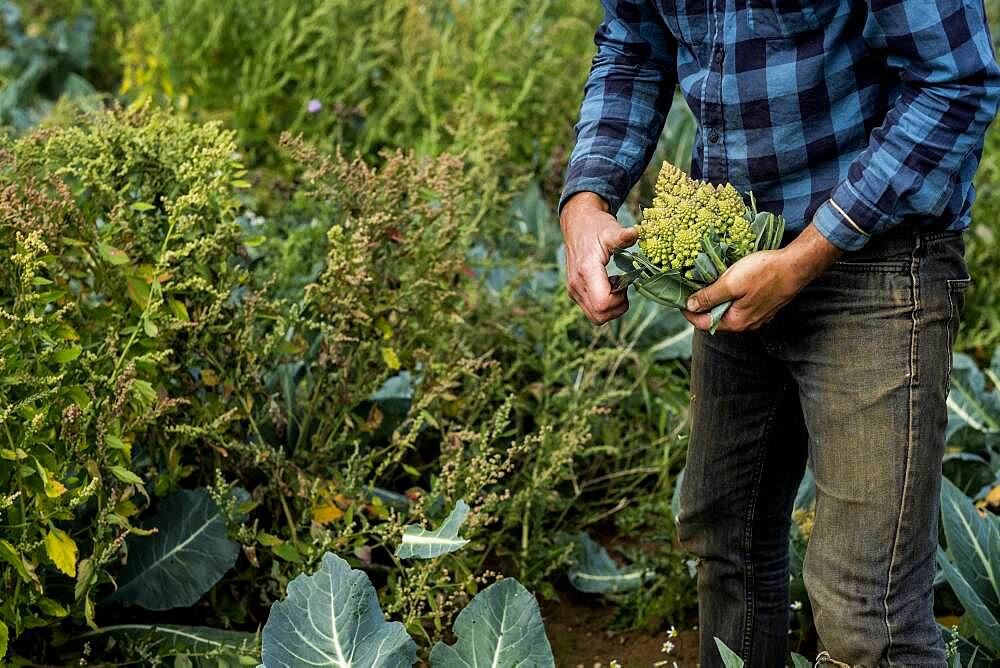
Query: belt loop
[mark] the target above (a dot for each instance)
(920, 243)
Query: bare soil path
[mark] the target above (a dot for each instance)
(577, 630)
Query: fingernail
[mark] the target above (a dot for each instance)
(692, 305)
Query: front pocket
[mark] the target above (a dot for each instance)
(957, 288)
(789, 18)
(686, 19)
(956, 300)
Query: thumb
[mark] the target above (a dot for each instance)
(711, 296)
(623, 237)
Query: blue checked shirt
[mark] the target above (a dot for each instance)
(858, 116)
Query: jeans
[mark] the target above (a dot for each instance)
(852, 374)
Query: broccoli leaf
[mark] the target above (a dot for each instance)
(595, 572)
(419, 543)
(501, 627)
(332, 618)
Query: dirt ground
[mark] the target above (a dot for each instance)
(579, 639)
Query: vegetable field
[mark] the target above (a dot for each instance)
(289, 375)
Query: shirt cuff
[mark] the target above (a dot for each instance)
(598, 175)
(847, 220)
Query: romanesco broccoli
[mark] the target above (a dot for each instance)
(684, 211)
(690, 236)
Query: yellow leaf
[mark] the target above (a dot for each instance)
(209, 377)
(62, 551)
(390, 358)
(948, 621)
(54, 488)
(88, 611)
(993, 498)
(126, 508)
(384, 328)
(324, 514)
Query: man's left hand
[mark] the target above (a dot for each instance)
(761, 283)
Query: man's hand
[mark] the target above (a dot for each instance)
(761, 283)
(591, 233)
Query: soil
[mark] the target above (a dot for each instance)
(577, 630)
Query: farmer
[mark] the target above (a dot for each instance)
(862, 124)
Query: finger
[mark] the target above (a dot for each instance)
(598, 288)
(734, 320)
(577, 292)
(702, 321)
(622, 237)
(602, 311)
(610, 314)
(711, 296)
(618, 310)
(577, 289)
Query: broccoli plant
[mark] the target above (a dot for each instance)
(332, 618)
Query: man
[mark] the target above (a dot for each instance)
(862, 123)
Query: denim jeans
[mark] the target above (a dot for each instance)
(853, 375)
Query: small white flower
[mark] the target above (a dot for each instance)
(672, 633)
(667, 648)
(614, 664)
(796, 605)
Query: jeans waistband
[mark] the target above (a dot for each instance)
(897, 243)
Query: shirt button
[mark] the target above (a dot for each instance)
(713, 135)
(719, 56)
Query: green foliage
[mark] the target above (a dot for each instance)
(970, 566)
(121, 256)
(595, 572)
(981, 323)
(203, 647)
(730, 659)
(435, 77)
(973, 434)
(178, 564)
(37, 67)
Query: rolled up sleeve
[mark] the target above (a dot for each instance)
(950, 91)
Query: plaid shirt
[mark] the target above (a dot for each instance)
(858, 116)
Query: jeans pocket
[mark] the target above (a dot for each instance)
(956, 298)
(776, 19)
(957, 288)
(686, 19)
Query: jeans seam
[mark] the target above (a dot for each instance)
(911, 392)
(748, 579)
(871, 267)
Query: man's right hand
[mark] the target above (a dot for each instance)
(591, 233)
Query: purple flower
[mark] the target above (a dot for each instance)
(314, 106)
